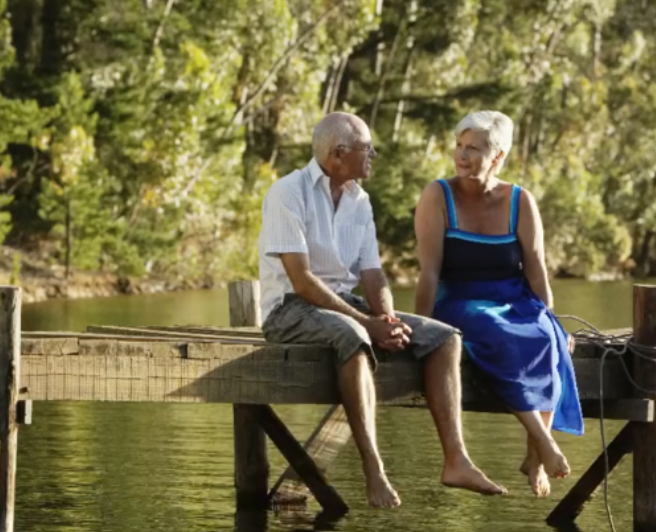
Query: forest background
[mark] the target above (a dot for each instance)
(138, 137)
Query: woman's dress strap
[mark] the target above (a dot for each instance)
(450, 204)
(514, 208)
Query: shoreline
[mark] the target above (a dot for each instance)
(41, 281)
(82, 285)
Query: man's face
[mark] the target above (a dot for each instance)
(357, 158)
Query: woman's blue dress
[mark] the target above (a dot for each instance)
(507, 330)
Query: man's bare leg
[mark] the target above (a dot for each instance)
(532, 466)
(442, 383)
(555, 463)
(358, 393)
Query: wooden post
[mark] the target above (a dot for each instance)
(244, 297)
(10, 331)
(571, 505)
(251, 460)
(302, 463)
(644, 434)
(324, 444)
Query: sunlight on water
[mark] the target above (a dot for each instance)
(110, 467)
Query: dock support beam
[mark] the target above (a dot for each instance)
(10, 331)
(327, 440)
(644, 434)
(251, 459)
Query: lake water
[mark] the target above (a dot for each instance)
(112, 467)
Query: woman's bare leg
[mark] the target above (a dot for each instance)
(554, 462)
(532, 466)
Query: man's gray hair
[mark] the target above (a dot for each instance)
(334, 130)
(498, 126)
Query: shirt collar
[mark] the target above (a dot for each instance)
(316, 173)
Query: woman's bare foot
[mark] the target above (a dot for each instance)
(523, 469)
(539, 481)
(464, 474)
(380, 492)
(554, 461)
(537, 477)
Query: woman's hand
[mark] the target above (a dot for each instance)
(571, 343)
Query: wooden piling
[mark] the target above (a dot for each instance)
(572, 504)
(300, 461)
(644, 434)
(10, 330)
(324, 444)
(251, 460)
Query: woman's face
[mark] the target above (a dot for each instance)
(473, 158)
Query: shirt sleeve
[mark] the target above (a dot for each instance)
(283, 223)
(369, 256)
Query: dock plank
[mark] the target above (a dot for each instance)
(249, 372)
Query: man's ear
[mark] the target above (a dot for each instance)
(498, 157)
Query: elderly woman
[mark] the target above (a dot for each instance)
(483, 271)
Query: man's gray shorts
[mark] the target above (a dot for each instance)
(296, 321)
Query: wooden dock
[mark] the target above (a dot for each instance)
(235, 365)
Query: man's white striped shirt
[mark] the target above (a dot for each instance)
(298, 216)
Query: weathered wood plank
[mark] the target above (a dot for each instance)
(51, 341)
(251, 374)
(251, 456)
(170, 333)
(244, 301)
(180, 330)
(644, 434)
(633, 409)
(10, 352)
(233, 332)
(572, 504)
(35, 342)
(53, 346)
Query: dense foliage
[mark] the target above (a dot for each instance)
(139, 136)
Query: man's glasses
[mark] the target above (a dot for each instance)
(370, 150)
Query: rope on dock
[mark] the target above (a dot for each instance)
(593, 335)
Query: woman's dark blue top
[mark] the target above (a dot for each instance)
(475, 257)
(507, 330)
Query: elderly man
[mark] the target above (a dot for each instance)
(318, 242)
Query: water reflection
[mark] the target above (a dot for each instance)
(288, 519)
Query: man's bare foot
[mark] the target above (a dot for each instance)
(537, 477)
(380, 492)
(464, 474)
(554, 461)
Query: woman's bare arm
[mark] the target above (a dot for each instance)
(531, 239)
(429, 228)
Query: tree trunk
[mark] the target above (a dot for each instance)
(385, 74)
(26, 31)
(643, 262)
(52, 54)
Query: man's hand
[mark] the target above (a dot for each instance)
(388, 332)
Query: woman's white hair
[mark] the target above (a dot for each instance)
(334, 130)
(499, 129)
